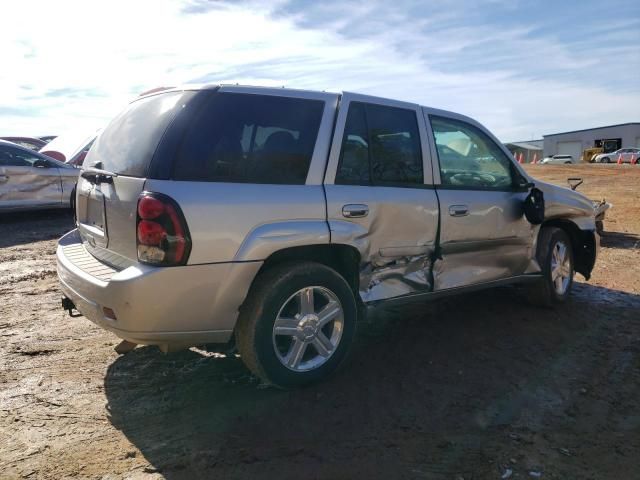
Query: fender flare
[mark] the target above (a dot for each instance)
(269, 238)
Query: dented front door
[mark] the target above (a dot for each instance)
(484, 235)
(380, 197)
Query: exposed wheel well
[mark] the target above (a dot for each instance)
(583, 244)
(344, 259)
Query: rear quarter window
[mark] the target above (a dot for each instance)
(247, 138)
(127, 144)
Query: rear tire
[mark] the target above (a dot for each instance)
(555, 257)
(297, 324)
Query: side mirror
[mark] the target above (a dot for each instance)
(534, 207)
(525, 185)
(41, 163)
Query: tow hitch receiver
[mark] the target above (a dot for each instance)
(69, 306)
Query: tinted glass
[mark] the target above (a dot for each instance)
(394, 145)
(15, 157)
(244, 138)
(381, 145)
(127, 145)
(354, 156)
(468, 157)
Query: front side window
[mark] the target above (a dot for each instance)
(380, 146)
(15, 157)
(468, 157)
(243, 138)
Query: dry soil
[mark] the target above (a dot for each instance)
(481, 386)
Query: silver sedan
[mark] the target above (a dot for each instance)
(30, 180)
(628, 155)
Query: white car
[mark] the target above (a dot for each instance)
(71, 148)
(558, 160)
(612, 157)
(30, 180)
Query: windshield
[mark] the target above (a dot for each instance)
(128, 143)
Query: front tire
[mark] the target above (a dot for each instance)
(297, 324)
(555, 257)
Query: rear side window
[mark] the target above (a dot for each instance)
(380, 146)
(128, 143)
(245, 138)
(354, 164)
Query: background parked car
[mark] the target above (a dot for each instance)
(47, 138)
(612, 157)
(31, 143)
(71, 148)
(558, 160)
(31, 180)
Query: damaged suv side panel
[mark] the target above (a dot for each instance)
(269, 217)
(380, 195)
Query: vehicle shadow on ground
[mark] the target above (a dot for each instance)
(619, 240)
(25, 227)
(440, 390)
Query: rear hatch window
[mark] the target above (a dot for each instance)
(127, 145)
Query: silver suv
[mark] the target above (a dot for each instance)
(270, 218)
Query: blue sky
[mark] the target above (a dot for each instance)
(524, 69)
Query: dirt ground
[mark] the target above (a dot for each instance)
(480, 387)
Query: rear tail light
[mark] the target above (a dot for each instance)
(162, 234)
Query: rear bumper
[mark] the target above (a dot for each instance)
(173, 307)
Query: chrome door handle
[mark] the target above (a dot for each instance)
(459, 210)
(355, 210)
(4, 178)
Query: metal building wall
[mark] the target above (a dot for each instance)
(629, 133)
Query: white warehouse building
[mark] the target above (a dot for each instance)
(611, 138)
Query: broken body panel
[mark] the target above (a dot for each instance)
(422, 239)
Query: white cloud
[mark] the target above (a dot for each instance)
(78, 63)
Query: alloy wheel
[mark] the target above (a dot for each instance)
(561, 268)
(308, 328)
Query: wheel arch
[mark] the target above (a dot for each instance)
(344, 259)
(583, 243)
